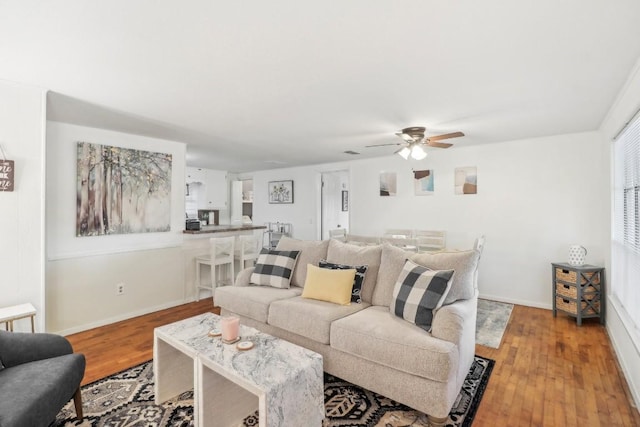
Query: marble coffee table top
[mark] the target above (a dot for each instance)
(269, 364)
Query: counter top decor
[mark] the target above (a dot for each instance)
(224, 228)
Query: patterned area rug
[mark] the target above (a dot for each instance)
(491, 322)
(126, 399)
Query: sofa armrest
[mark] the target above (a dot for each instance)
(244, 277)
(456, 321)
(17, 348)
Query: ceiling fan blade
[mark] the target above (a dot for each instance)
(438, 144)
(383, 145)
(445, 136)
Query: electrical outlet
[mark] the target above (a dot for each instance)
(120, 289)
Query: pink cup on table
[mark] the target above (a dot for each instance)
(230, 327)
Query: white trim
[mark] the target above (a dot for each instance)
(41, 320)
(147, 247)
(626, 321)
(625, 359)
(122, 317)
(516, 301)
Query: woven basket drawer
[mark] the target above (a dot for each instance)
(571, 306)
(572, 291)
(572, 276)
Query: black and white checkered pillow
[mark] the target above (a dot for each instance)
(357, 281)
(419, 292)
(274, 268)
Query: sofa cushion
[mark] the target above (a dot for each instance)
(251, 301)
(311, 252)
(361, 271)
(309, 318)
(329, 285)
(419, 292)
(378, 336)
(274, 268)
(392, 261)
(345, 253)
(464, 263)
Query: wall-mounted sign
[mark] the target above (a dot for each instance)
(6, 175)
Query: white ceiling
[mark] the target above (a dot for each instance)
(249, 83)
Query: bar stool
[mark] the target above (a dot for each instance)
(248, 249)
(221, 254)
(338, 234)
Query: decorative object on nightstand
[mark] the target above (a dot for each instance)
(576, 255)
(579, 291)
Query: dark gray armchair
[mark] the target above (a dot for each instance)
(39, 373)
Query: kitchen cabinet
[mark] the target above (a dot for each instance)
(215, 190)
(208, 187)
(196, 175)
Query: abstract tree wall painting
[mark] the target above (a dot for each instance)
(121, 190)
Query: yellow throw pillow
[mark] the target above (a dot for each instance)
(329, 285)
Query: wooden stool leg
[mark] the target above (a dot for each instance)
(33, 326)
(215, 271)
(197, 281)
(77, 401)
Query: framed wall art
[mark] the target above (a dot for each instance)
(466, 180)
(280, 192)
(388, 184)
(423, 182)
(345, 200)
(122, 190)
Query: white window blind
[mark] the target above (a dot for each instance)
(625, 274)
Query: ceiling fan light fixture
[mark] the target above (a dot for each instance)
(404, 152)
(417, 152)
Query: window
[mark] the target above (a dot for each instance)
(625, 274)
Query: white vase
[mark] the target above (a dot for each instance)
(576, 255)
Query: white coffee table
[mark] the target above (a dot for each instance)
(281, 380)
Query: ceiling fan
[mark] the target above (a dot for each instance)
(414, 142)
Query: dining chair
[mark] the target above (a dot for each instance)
(221, 255)
(397, 233)
(430, 240)
(408, 243)
(362, 240)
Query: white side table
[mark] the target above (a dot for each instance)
(9, 314)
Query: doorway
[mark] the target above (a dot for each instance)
(334, 201)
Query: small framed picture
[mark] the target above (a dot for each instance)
(345, 200)
(280, 192)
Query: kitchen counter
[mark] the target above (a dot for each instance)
(224, 228)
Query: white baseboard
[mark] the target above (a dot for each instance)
(121, 317)
(516, 301)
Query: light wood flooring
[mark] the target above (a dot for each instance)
(548, 372)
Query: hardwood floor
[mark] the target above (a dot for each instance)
(112, 348)
(548, 372)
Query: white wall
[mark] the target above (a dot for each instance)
(626, 341)
(535, 198)
(87, 269)
(22, 129)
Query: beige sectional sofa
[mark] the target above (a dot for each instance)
(365, 343)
